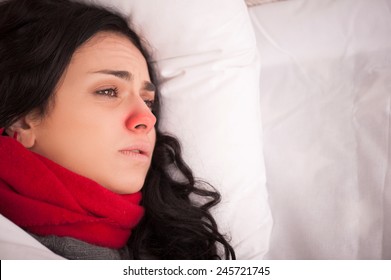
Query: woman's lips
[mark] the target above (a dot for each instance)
(140, 151)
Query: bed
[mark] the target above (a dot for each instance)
(325, 92)
(283, 106)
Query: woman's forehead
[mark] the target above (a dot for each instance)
(109, 44)
(108, 50)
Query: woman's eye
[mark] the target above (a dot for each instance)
(109, 92)
(150, 103)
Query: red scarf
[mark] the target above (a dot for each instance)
(44, 198)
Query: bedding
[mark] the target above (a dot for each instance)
(251, 3)
(295, 98)
(325, 98)
(16, 244)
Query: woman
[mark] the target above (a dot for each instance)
(84, 168)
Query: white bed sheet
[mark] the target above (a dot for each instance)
(326, 101)
(16, 244)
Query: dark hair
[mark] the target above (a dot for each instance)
(37, 41)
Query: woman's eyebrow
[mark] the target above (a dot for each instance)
(148, 86)
(125, 75)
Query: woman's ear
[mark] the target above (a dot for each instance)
(23, 131)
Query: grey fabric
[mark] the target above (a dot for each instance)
(74, 249)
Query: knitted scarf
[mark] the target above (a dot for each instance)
(44, 198)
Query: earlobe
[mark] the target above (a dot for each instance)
(23, 132)
(26, 138)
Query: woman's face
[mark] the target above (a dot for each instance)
(101, 125)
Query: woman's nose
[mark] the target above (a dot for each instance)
(141, 119)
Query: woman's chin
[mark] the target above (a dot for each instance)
(125, 187)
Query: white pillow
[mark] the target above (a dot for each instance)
(206, 52)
